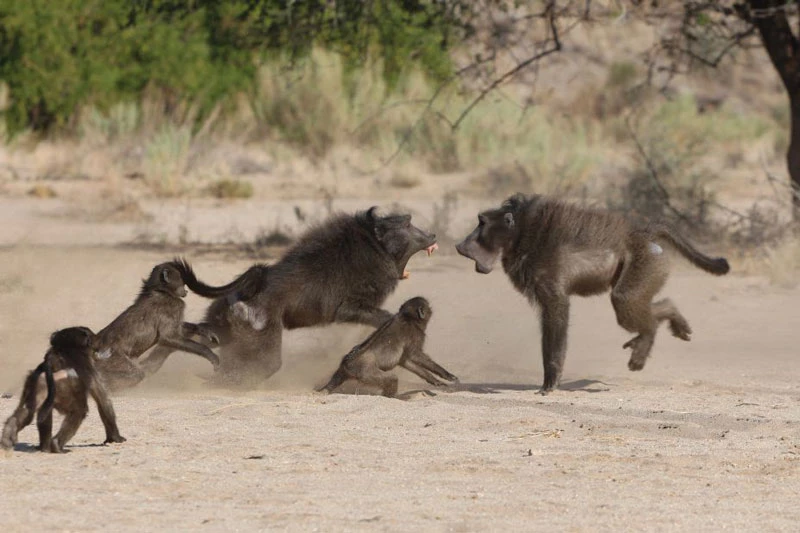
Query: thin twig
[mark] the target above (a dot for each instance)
(549, 12)
(654, 176)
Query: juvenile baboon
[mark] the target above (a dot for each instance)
(551, 250)
(67, 375)
(397, 342)
(154, 319)
(339, 271)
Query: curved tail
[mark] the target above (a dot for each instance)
(714, 265)
(49, 401)
(245, 286)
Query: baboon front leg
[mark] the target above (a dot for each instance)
(190, 346)
(359, 314)
(106, 410)
(339, 377)
(555, 321)
(411, 366)
(202, 330)
(425, 361)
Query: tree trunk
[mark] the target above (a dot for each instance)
(784, 52)
(793, 155)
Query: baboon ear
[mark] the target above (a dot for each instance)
(165, 275)
(421, 312)
(371, 213)
(509, 220)
(515, 201)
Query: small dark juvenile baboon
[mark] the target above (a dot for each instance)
(339, 271)
(551, 250)
(154, 319)
(68, 376)
(397, 342)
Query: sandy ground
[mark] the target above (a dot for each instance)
(706, 437)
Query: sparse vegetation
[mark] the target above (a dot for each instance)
(230, 189)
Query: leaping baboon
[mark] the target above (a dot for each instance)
(397, 342)
(551, 250)
(339, 271)
(68, 376)
(154, 319)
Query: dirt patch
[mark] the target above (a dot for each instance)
(706, 434)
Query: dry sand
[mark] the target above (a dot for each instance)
(707, 437)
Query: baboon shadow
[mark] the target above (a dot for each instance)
(25, 447)
(583, 385)
(414, 393)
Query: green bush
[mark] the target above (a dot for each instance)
(58, 57)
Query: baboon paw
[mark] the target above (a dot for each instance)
(634, 365)
(631, 343)
(55, 447)
(115, 438)
(681, 330)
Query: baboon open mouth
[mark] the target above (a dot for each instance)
(429, 250)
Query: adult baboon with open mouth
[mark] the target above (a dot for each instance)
(339, 271)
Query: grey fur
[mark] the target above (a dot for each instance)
(398, 342)
(154, 319)
(339, 271)
(70, 354)
(552, 250)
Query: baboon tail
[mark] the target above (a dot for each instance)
(714, 265)
(49, 401)
(245, 286)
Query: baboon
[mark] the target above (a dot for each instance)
(551, 250)
(68, 376)
(154, 319)
(397, 342)
(339, 271)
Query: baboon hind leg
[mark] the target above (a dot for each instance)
(641, 278)
(678, 325)
(386, 381)
(252, 357)
(21, 418)
(156, 359)
(72, 421)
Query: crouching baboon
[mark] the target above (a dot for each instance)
(340, 271)
(551, 250)
(68, 376)
(154, 319)
(397, 342)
